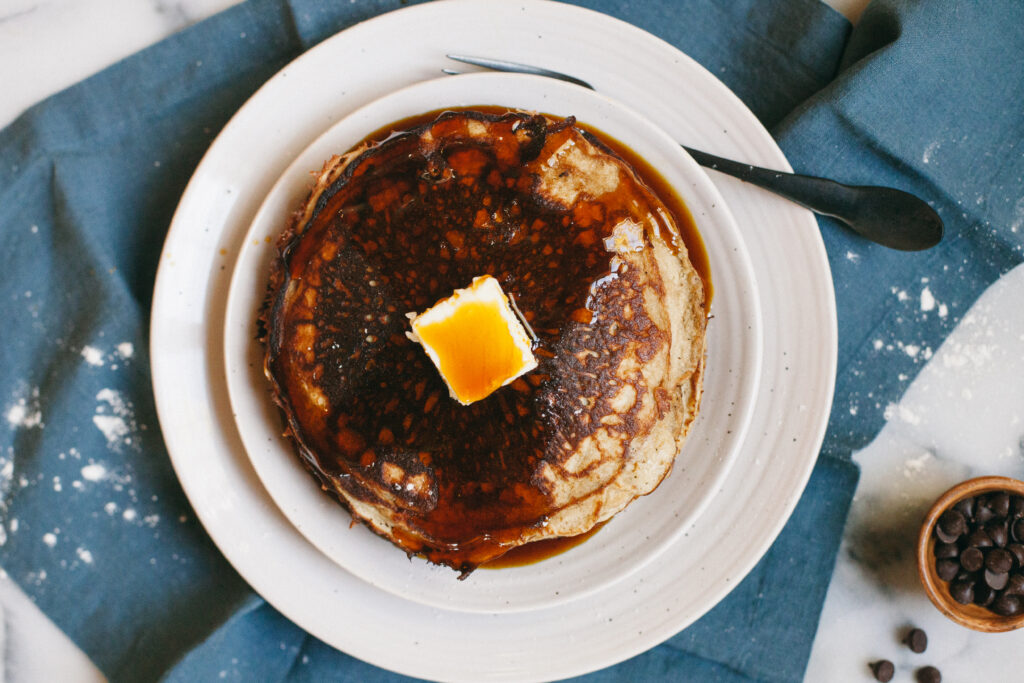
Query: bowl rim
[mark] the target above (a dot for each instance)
(971, 616)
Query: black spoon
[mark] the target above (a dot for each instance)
(890, 217)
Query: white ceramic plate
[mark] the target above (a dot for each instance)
(635, 536)
(692, 574)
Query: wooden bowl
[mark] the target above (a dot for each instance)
(972, 616)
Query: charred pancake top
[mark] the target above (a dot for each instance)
(591, 258)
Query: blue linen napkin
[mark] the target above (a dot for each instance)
(93, 525)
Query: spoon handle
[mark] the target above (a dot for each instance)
(817, 194)
(885, 215)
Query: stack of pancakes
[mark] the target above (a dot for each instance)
(593, 261)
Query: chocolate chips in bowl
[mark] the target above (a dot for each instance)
(970, 554)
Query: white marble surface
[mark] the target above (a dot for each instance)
(960, 417)
(963, 416)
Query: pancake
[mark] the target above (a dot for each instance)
(594, 262)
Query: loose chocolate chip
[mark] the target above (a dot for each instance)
(916, 640)
(966, 507)
(983, 594)
(1017, 507)
(1014, 585)
(1000, 503)
(883, 670)
(1008, 605)
(998, 533)
(947, 569)
(952, 523)
(996, 580)
(929, 674)
(1017, 550)
(946, 551)
(998, 560)
(972, 559)
(979, 539)
(962, 592)
(1017, 531)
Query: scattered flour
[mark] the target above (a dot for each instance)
(94, 472)
(93, 356)
(24, 411)
(125, 350)
(50, 539)
(115, 418)
(852, 256)
(903, 413)
(929, 151)
(927, 299)
(84, 555)
(6, 477)
(914, 466)
(943, 310)
(129, 515)
(110, 508)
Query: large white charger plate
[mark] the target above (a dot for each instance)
(693, 574)
(635, 536)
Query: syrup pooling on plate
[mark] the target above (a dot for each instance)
(403, 224)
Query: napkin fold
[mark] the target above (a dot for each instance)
(93, 524)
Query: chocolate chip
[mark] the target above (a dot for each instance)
(966, 507)
(1016, 507)
(946, 551)
(1014, 585)
(952, 523)
(979, 539)
(984, 594)
(997, 580)
(1008, 605)
(1000, 503)
(962, 592)
(998, 560)
(916, 640)
(947, 569)
(883, 670)
(998, 533)
(929, 674)
(1017, 550)
(982, 514)
(972, 559)
(1017, 530)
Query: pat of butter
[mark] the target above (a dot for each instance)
(475, 339)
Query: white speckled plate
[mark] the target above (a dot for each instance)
(635, 536)
(612, 624)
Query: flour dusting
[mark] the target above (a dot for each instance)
(94, 472)
(24, 411)
(927, 299)
(50, 539)
(125, 350)
(84, 555)
(93, 356)
(115, 417)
